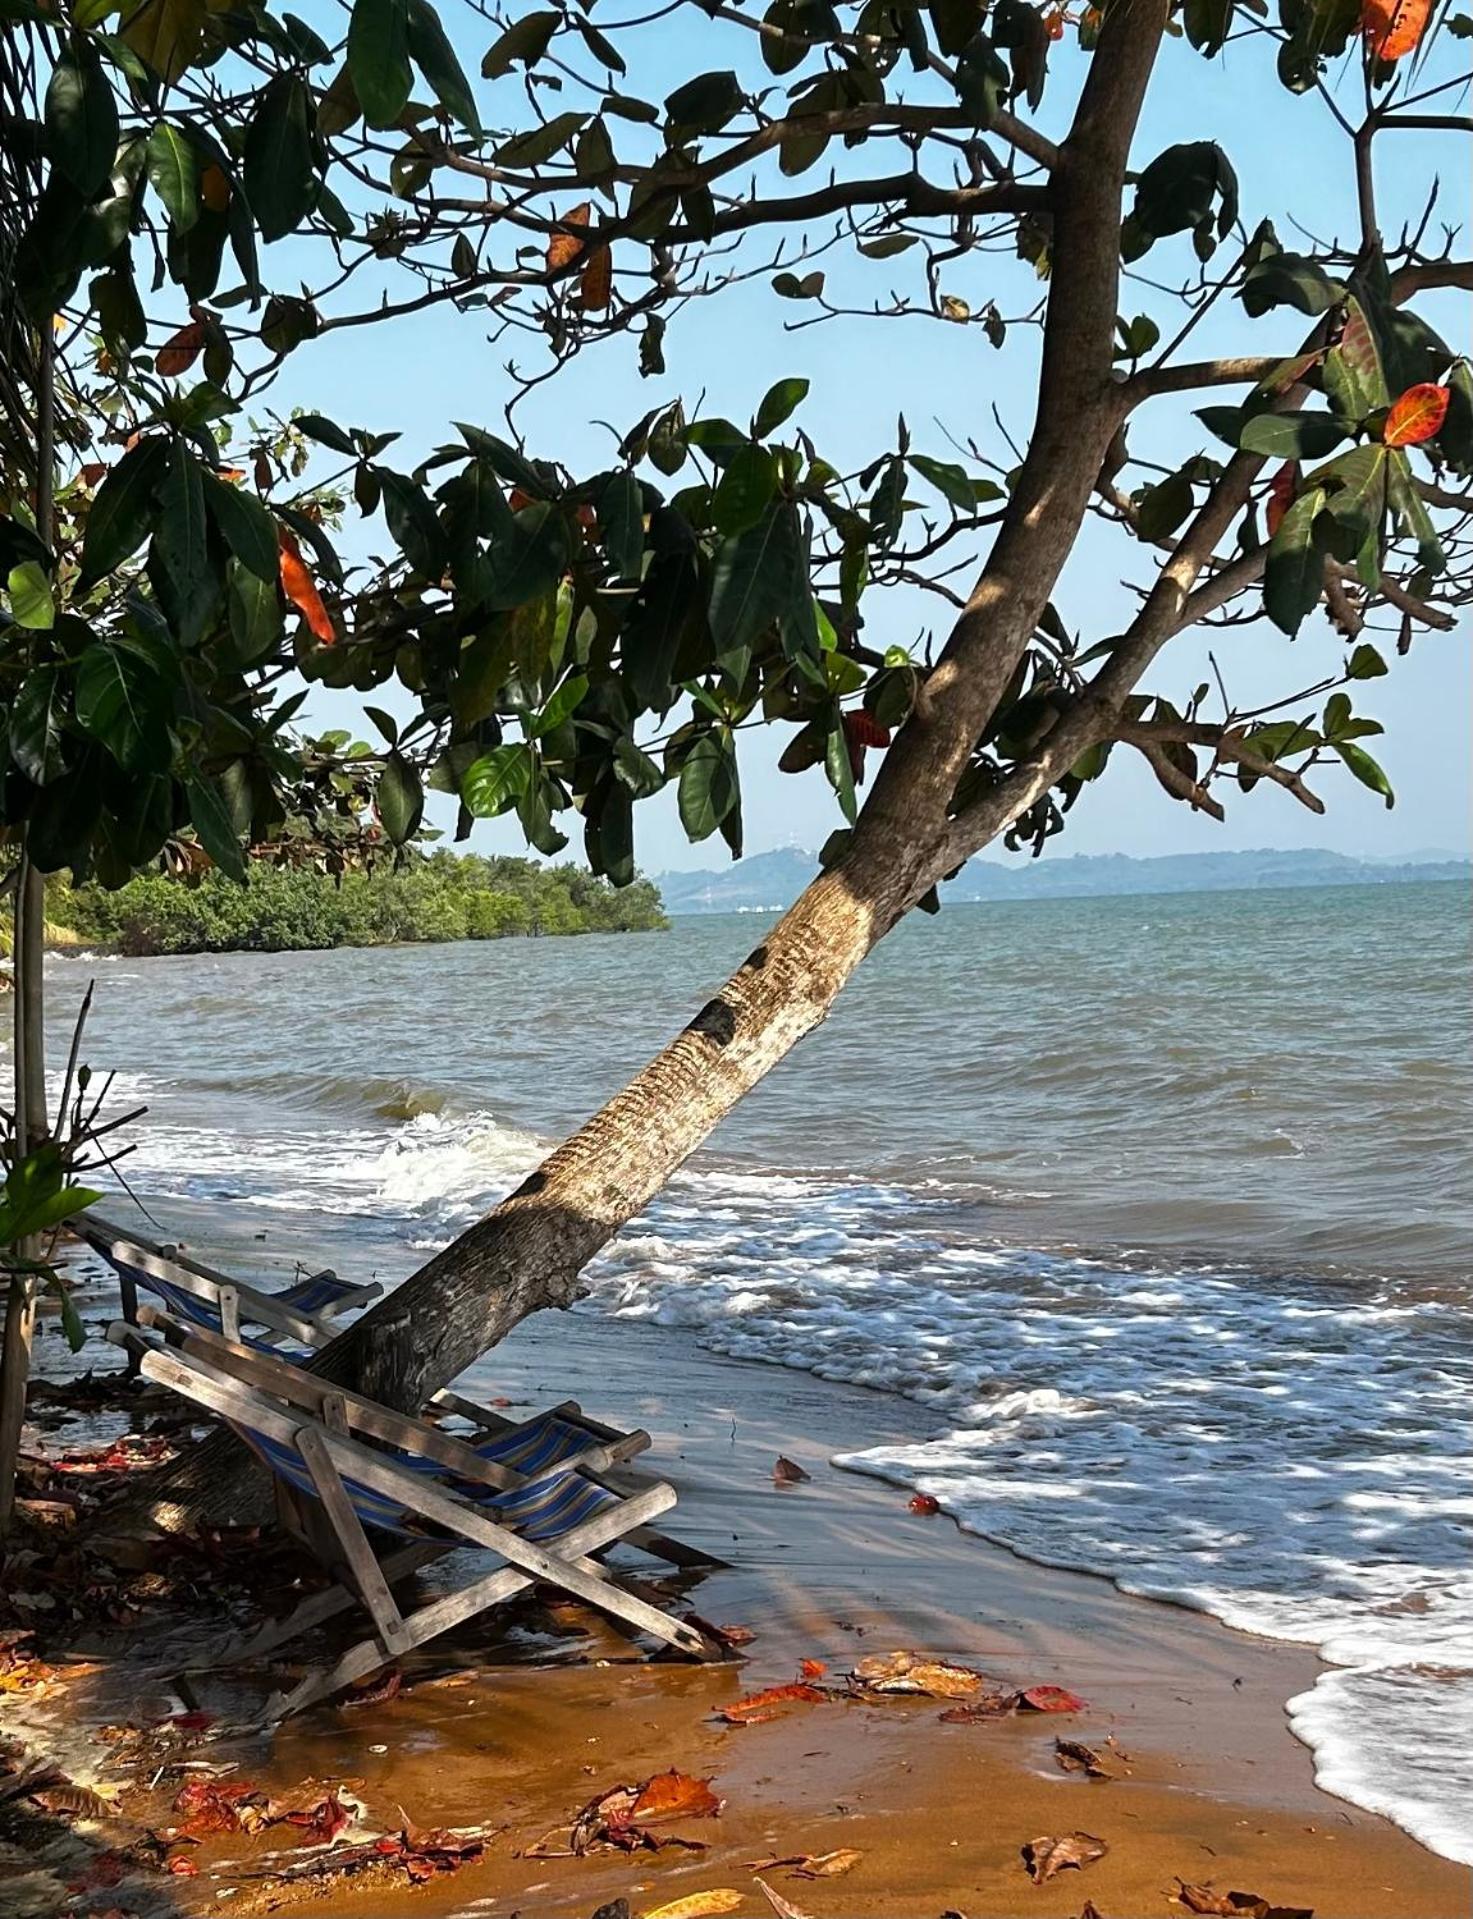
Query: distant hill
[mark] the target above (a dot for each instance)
(769, 881)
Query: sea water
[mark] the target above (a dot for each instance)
(1161, 1206)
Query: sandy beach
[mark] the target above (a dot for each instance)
(1209, 1785)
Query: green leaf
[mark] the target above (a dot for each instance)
(667, 612)
(435, 58)
(1162, 508)
(840, 770)
(1368, 771)
(1291, 436)
(36, 722)
(181, 542)
(1288, 279)
(412, 522)
(704, 104)
(494, 783)
(279, 178)
(31, 604)
(634, 767)
(1294, 571)
(378, 59)
(745, 489)
(750, 580)
(621, 524)
(709, 785)
(401, 799)
(563, 704)
(317, 427)
(245, 526)
(1208, 24)
(950, 480)
(36, 1197)
(81, 118)
(530, 149)
(173, 173)
(779, 403)
(526, 39)
(214, 827)
(254, 608)
(1366, 663)
(120, 702)
(527, 561)
(123, 511)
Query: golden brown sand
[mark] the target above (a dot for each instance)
(1217, 1789)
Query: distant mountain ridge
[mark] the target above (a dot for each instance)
(767, 882)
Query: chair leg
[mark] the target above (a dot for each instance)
(312, 1612)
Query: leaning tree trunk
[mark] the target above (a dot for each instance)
(529, 1252)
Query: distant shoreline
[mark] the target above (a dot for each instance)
(769, 882)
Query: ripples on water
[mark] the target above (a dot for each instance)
(1161, 1205)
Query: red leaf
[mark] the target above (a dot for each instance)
(183, 1868)
(674, 1795)
(811, 1669)
(1394, 27)
(757, 1706)
(596, 287)
(1281, 490)
(1417, 415)
(924, 1504)
(1051, 1699)
(788, 1472)
(179, 353)
(301, 589)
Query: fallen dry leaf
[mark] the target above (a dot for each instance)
(787, 1472)
(1048, 1855)
(1071, 1756)
(925, 1504)
(675, 1795)
(811, 1669)
(908, 1672)
(828, 1865)
(1235, 1905)
(622, 1817)
(767, 1704)
(1051, 1699)
(989, 1705)
(784, 1908)
(697, 1905)
(323, 1822)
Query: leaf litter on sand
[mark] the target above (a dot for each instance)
(622, 1818)
(755, 1707)
(1070, 1755)
(1235, 1905)
(698, 1905)
(784, 1908)
(787, 1472)
(811, 1865)
(1050, 1854)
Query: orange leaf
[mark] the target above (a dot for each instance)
(674, 1795)
(811, 1669)
(757, 1706)
(564, 248)
(596, 288)
(301, 589)
(1416, 416)
(1281, 490)
(1394, 27)
(214, 189)
(178, 354)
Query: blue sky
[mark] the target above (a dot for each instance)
(423, 372)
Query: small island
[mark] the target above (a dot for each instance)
(428, 897)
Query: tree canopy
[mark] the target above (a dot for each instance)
(200, 189)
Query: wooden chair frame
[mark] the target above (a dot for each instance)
(323, 1440)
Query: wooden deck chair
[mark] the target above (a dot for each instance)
(428, 1490)
(300, 1317)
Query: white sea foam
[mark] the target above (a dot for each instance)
(1279, 1452)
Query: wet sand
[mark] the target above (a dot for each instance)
(832, 1569)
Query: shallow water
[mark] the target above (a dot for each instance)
(1162, 1206)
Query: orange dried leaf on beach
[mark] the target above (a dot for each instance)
(1071, 1756)
(811, 1668)
(908, 1672)
(988, 1705)
(787, 1472)
(1393, 28)
(674, 1795)
(1417, 415)
(1235, 1905)
(828, 1865)
(323, 1822)
(564, 248)
(699, 1905)
(301, 589)
(784, 1908)
(1051, 1699)
(757, 1706)
(1048, 1855)
(926, 1504)
(180, 351)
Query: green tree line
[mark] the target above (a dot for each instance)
(439, 896)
